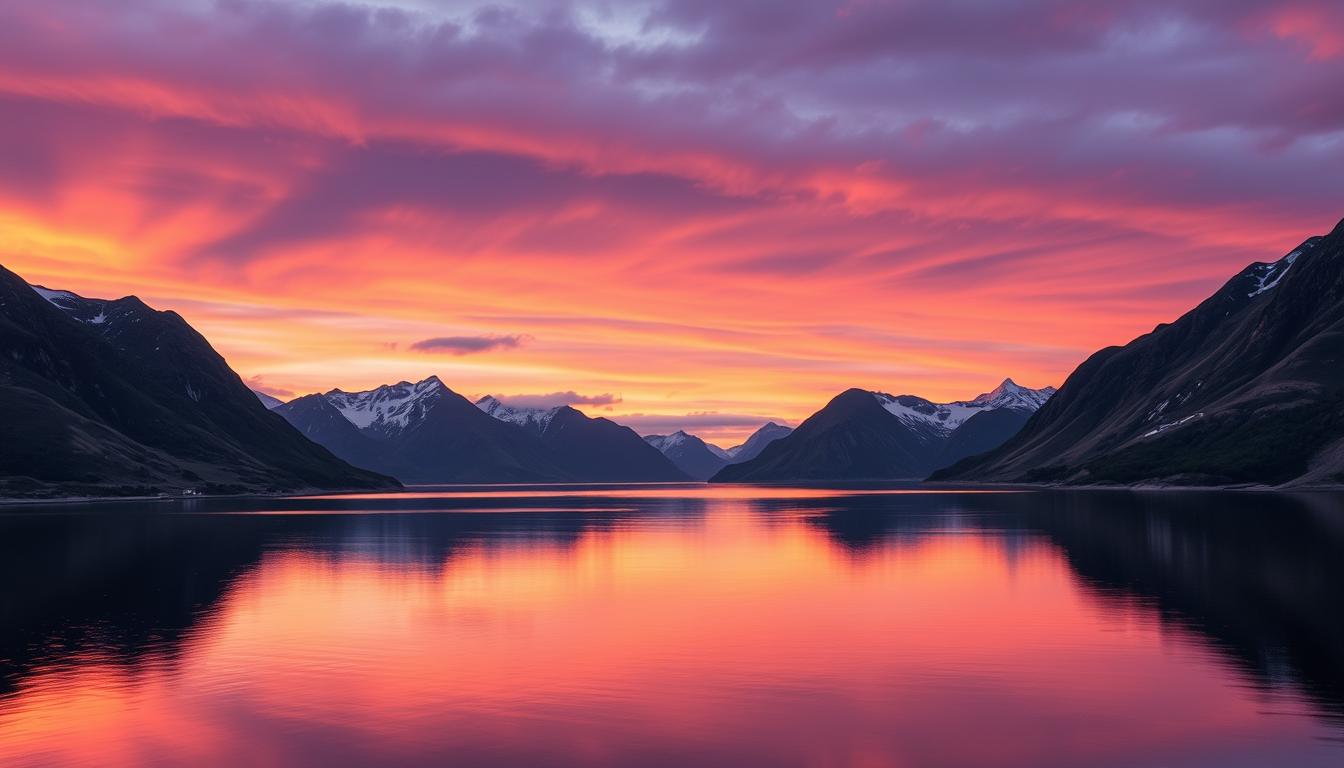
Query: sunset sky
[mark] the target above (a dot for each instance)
(681, 213)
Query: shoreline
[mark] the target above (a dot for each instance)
(11, 502)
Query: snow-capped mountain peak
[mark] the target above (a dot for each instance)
(388, 409)
(762, 437)
(534, 418)
(1010, 394)
(666, 443)
(941, 419)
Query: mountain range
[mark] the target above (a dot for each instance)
(427, 433)
(1246, 388)
(863, 435)
(107, 397)
(113, 397)
(701, 460)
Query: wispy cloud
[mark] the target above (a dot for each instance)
(718, 206)
(553, 399)
(468, 345)
(256, 384)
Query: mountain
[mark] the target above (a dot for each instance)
(425, 433)
(757, 442)
(693, 456)
(981, 433)
(588, 449)
(862, 435)
(270, 402)
(1246, 388)
(319, 421)
(112, 397)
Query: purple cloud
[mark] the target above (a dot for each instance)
(553, 399)
(468, 345)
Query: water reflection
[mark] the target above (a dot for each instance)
(674, 625)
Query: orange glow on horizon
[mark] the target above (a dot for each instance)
(315, 227)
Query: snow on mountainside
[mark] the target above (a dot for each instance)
(389, 409)
(681, 438)
(941, 419)
(1267, 276)
(698, 459)
(531, 418)
(90, 311)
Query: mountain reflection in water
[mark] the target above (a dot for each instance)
(652, 625)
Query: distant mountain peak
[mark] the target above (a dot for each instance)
(759, 439)
(390, 408)
(937, 420)
(692, 455)
(1010, 394)
(535, 418)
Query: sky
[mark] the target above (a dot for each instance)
(679, 213)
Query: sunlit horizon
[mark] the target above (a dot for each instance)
(681, 215)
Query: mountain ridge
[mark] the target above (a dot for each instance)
(113, 396)
(866, 435)
(1242, 389)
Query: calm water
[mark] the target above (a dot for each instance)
(677, 626)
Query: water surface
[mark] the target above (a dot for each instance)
(676, 625)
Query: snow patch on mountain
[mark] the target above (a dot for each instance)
(389, 409)
(1267, 276)
(56, 298)
(944, 418)
(1171, 425)
(666, 443)
(92, 311)
(538, 419)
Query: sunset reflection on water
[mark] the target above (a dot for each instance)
(810, 629)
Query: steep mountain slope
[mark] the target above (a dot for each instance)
(427, 433)
(863, 435)
(319, 421)
(757, 442)
(114, 397)
(588, 449)
(981, 433)
(1248, 387)
(696, 458)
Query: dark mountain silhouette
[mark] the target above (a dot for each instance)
(981, 433)
(320, 422)
(425, 433)
(1247, 388)
(862, 435)
(588, 449)
(696, 458)
(112, 397)
(757, 442)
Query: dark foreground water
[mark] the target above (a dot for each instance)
(676, 626)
